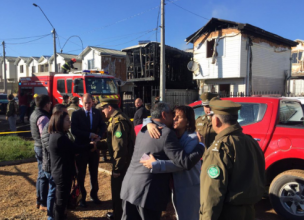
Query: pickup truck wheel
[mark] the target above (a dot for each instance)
(286, 194)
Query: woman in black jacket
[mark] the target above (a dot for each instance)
(62, 152)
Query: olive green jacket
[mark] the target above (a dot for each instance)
(12, 108)
(232, 174)
(204, 127)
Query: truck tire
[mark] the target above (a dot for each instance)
(286, 194)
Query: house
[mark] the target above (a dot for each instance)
(62, 58)
(44, 64)
(143, 70)
(32, 65)
(11, 74)
(22, 67)
(236, 58)
(111, 61)
(11, 70)
(296, 82)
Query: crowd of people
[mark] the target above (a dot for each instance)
(206, 166)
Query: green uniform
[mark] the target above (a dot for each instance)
(204, 127)
(120, 140)
(72, 107)
(232, 176)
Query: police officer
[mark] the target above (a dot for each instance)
(121, 140)
(68, 66)
(203, 123)
(74, 105)
(233, 170)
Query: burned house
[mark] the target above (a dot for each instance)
(143, 71)
(233, 58)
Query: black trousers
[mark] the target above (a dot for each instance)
(133, 212)
(116, 200)
(63, 190)
(91, 158)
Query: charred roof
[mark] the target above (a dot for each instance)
(219, 24)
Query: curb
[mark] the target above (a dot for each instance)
(17, 162)
(104, 171)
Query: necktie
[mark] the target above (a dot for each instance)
(89, 119)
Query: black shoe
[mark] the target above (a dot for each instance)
(83, 204)
(110, 215)
(95, 200)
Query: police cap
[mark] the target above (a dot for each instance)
(207, 96)
(74, 99)
(108, 101)
(224, 107)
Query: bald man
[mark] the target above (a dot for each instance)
(140, 113)
(87, 125)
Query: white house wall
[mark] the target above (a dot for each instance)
(269, 62)
(227, 63)
(33, 63)
(25, 69)
(11, 71)
(92, 54)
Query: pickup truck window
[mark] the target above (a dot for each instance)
(251, 113)
(291, 112)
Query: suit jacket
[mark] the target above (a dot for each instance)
(145, 189)
(81, 129)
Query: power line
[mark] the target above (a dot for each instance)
(30, 41)
(20, 38)
(189, 11)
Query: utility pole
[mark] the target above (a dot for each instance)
(162, 87)
(4, 67)
(55, 53)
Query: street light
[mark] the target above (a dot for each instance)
(54, 37)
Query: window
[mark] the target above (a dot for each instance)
(41, 68)
(199, 111)
(91, 64)
(21, 68)
(69, 85)
(290, 112)
(210, 46)
(58, 67)
(61, 86)
(251, 113)
(101, 86)
(294, 58)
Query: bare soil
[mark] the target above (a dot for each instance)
(18, 192)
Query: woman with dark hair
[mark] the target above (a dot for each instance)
(62, 152)
(186, 183)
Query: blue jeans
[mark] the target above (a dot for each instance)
(12, 123)
(22, 112)
(42, 181)
(51, 195)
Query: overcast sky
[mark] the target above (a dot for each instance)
(119, 24)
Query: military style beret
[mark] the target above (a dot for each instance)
(107, 101)
(74, 99)
(224, 107)
(207, 96)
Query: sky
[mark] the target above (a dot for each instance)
(118, 24)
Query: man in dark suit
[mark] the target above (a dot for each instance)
(146, 195)
(87, 125)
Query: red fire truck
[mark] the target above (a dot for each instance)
(98, 83)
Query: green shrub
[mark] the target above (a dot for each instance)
(15, 148)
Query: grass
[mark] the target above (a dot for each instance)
(15, 148)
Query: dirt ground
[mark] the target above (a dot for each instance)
(18, 192)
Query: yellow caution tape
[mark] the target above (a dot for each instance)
(13, 132)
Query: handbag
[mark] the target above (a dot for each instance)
(75, 195)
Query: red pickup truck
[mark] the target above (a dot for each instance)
(277, 125)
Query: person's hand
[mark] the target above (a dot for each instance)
(97, 139)
(200, 137)
(115, 175)
(93, 136)
(153, 130)
(148, 163)
(95, 146)
(6, 118)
